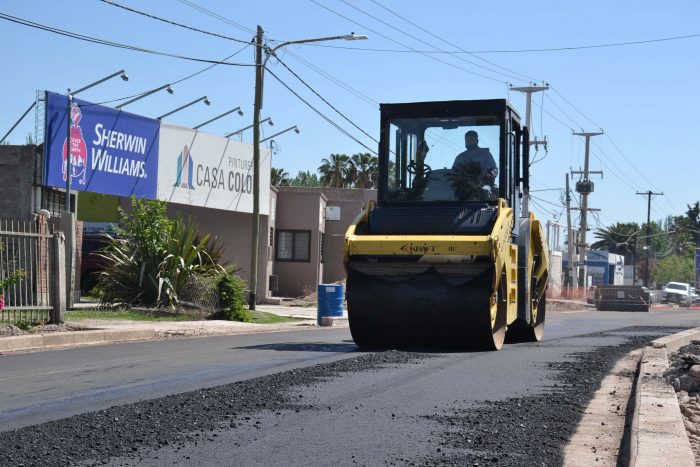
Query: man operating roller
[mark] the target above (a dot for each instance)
(474, 169)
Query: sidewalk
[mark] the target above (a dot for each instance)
(96, 332)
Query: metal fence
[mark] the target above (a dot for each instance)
(26, 247)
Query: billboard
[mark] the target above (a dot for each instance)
(201, 169)
(112, 151)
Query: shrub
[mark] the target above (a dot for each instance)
(152, 259)
(232, 298)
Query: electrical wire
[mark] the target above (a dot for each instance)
(327, 119)
(326, 102)
(513, 75)
(82, 37)
(172, 83)
(218, 16)
(158, 18)
(617, 148)
(461, 50)
(515, 51)
(573, 106)
(374, 103)
(408, 47)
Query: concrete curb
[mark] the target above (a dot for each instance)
(658, 436)
(58, 340)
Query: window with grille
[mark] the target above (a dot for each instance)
(54, 201)
(293, 245)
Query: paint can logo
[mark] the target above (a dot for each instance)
(78, 148)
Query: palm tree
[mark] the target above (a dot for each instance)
(336, 172)
(619, 238)
(278, 177)
(364, 170)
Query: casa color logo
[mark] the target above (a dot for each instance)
(185, 166)
(78, 148)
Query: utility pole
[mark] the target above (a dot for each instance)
(528, 90)
(570, 273)
(257, 104)
(648, 194)
(585, 187)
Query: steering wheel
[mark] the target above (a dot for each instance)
(412, 168)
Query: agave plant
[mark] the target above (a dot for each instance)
(156, 271)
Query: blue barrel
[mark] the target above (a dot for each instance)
(330, 300)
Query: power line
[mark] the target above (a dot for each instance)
(515, 51)
(327, 103)
(217, 16)
(172, 83)
(408, 47)
(665, 198)
(451, 44)
(338, 127)
(511, 75)
(332, 78)
(158, 18)
(574, 107)
(95, 40)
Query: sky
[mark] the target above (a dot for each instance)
(643, 96)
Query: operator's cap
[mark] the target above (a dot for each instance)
(472, 133)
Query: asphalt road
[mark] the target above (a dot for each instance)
(356, 412)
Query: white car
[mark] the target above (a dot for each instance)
(677, 292)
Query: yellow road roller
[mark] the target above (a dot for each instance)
(449, 255)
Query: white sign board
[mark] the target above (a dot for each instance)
(201, 169)
(332, 213)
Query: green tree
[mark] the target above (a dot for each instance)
(364, 170)
(336, 172)
(673, 269)
(686, 229)
(278, 177)
(305, 178)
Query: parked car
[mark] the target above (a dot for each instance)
(676, 292)
(694, 295)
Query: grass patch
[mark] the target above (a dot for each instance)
(257, 317)
(131, 315)
(263, 317)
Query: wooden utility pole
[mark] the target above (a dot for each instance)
(648, 194)
(257, 104)
(570, 273)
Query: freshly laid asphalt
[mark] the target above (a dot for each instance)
(657, 435)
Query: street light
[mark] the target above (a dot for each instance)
(121, 73)
(203, 98)
(295, 128)
(259, 74)
(145, 94)
(69, 168)
(237, 109)
(69, 164)
(268, 120)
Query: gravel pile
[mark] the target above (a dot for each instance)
(684, 375)
(93, 438)
(531, 430)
